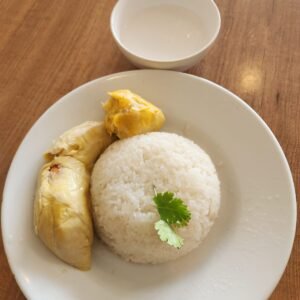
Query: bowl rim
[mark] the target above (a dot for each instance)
(170, 61)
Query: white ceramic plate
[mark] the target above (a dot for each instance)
(247, 250)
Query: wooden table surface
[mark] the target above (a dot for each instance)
(48, 48)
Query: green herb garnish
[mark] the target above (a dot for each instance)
(173, 213)
(167, 234)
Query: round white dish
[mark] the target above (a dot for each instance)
(248, 248)
(165, 34)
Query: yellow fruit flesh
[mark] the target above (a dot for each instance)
(62, 217)
(127, 114)
(84, 142)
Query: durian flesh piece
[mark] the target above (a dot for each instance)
(128, 114)
(84, 142)
(62, 218)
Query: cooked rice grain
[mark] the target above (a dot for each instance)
(122, 191)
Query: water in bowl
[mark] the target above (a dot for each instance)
(163, 33)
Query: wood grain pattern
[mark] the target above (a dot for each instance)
(48, 48)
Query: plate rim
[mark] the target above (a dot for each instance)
(237, 99)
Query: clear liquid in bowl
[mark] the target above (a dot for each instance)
(163, 33)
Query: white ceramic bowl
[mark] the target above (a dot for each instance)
(247, 249)
(165, 34)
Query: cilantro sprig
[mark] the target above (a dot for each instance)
(174, 213)
(167, 234)
(172, 210)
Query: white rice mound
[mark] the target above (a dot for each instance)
(122, 191)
